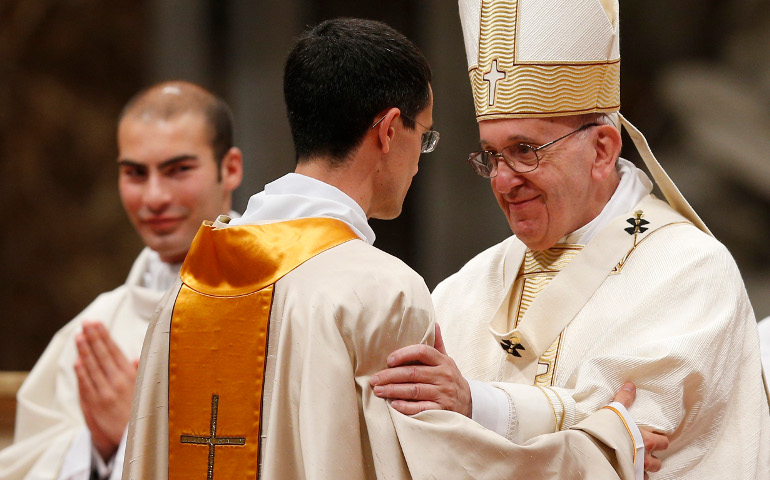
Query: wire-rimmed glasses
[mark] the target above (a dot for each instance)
(521, 157)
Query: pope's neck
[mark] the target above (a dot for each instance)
(350, 178)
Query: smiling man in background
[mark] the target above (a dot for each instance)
(176, 168)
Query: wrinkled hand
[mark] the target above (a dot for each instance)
(652, 441)
(421, 378)
(106, 384)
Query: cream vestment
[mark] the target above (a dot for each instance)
(664, 307)
(333, 321)
(49, 422)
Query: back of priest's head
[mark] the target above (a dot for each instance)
(340, 75)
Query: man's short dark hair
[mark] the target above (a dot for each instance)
(156, 101)
(340, 75)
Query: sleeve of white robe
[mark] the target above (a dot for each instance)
(441, 444)
(48, 416)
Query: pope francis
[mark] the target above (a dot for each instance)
(602, 282)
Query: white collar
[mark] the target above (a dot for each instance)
(296, 196)
(633, 187)
(159, 275)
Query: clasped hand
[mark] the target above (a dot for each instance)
(105, 384)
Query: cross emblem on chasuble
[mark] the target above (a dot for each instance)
(212, 440)
(512, 346)
(493, 76)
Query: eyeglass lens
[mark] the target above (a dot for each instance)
(429, 141)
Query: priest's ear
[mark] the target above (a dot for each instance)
(607, 143)
(231, 169)
(383, 129)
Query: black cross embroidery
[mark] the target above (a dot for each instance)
(637, 224)
(512, 348)
(212, 440)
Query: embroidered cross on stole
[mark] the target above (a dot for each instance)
(536, 271)
(218, 341)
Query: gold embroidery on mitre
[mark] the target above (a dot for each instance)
(536, 271)
(503, 87)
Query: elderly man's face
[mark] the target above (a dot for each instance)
(556, 198)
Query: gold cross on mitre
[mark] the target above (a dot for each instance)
(212, 440)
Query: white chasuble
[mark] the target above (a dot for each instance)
(48, 416)
(651, 300)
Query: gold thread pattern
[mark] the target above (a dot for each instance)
(555, 416)
(534, 89)
(563, 410)
(547, 90)
(497, 37)
(536, 271)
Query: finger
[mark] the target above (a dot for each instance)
(101, 352)
(655, 442)
(86, 388)
(406, 374)
(117, 354)
(438, 344)
(626, 394)
(420, 353)
(651, 463)
(88, 360)
(411, 391)
(413, 408)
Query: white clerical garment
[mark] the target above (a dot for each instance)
(646, 298)
(51, 439)
(332, 323)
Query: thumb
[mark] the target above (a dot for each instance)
(626, 394)
(438, 344)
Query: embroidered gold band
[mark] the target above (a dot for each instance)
(218, 341)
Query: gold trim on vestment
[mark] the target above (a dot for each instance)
(619, 267)
(218, 340)
(628, 429)
(537, 269)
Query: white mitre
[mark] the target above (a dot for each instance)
(548, 58)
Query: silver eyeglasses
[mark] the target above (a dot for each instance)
(429, 138)
(521, 157)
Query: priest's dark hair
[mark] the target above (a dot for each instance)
(168, 99)
(340, 75)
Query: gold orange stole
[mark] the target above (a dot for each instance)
(536, 272)
(218, 340)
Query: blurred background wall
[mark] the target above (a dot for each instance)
(696, 81)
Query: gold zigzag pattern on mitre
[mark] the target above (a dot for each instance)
(544, 90)
(535, 89)
(498, 31)
(497, 36)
